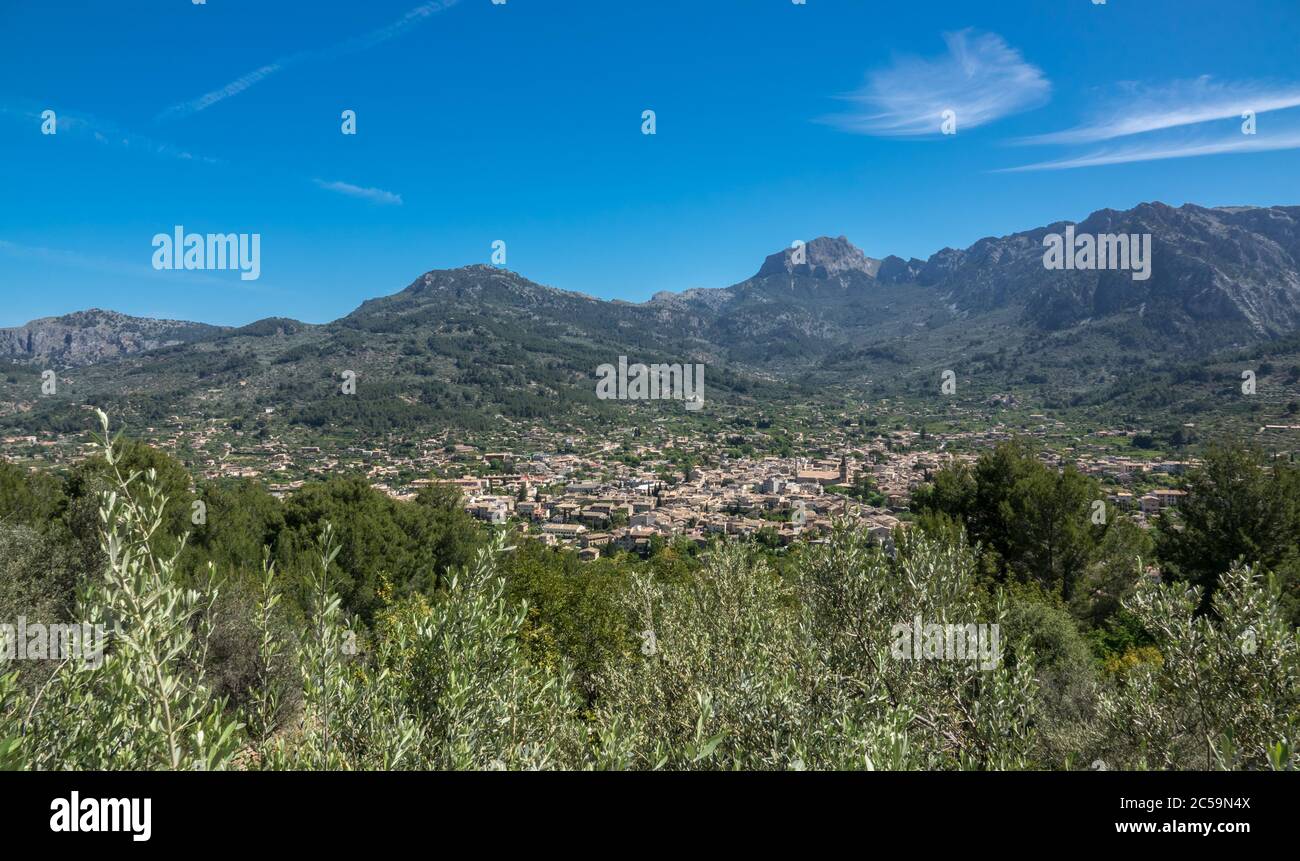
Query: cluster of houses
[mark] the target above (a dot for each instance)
(623, 492)
(785, 498)
(1122, 473)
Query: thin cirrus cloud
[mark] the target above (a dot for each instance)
(1156, 123)
(105, 133)
(112, 135)
(413, 17)
(1138, 109)
(374, 195)
(981, 79)
(1158, 151)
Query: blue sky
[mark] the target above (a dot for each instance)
(523, 122)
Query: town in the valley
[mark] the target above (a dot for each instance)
(633, 489)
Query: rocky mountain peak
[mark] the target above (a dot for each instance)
(823, 257)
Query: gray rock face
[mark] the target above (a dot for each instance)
(824, 257)
(88, 337)
(1238, 267)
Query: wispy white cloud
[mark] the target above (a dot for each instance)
(354, 45)
(1137, 109)
(1157, 150)
(374, 195)
(104, 132)
(112, 135)
(980, 79)
(1139, 123)
(233, 88)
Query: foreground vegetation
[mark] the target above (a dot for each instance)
(342, 630)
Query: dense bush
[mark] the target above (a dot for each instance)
(721, 663)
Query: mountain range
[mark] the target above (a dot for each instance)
(486, 340)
